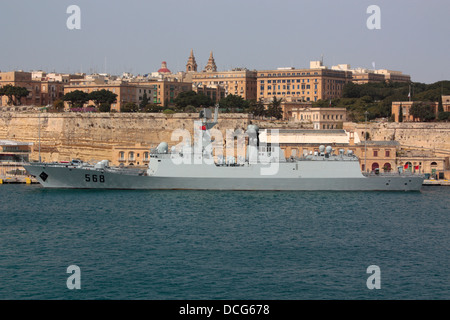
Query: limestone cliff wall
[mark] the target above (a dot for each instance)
(431, 136)
(65, 136)
(93, 136)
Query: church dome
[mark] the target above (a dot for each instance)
(163, 68)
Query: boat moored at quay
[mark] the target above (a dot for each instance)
(198, 169)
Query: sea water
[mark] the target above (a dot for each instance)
(165, 245)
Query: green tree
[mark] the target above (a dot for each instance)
(422, 111)
(20, 92)
(105, 107)
(76, 98)
(444, 116)
(129, 107)
(234, 103)
(257, 108)
(192, 98)
(400, 113)
(151, 107)
(14, 93)
(274, 110)
(144, 102)
(103, 96)
(190, 109)
(440, 106)
(58, 105)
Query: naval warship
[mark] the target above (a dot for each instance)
(262, 168)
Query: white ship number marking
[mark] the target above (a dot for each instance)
(94, 178)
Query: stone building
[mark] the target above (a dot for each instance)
(313, 84)
(127, 92)
(42, 90)
(406, 107)
(241, 82)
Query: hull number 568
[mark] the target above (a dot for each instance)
(94, 178)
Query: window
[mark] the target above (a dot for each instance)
(387, 153)
(121, 155)
(375, 153)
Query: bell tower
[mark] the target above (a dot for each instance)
(191, 64)
(211, 66)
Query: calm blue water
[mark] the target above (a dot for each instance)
(223, 245)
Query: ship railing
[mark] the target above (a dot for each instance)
(392, 174)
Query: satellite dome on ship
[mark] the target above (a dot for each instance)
(164, 68)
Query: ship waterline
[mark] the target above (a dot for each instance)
(290, 176)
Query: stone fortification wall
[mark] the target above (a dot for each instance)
(65, 136)
(93, 136)
(427, 136)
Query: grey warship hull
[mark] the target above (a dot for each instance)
(200, 169)
(221, 178)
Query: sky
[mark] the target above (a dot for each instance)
(117, 36)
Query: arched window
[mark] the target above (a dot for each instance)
(408, 166)
(131, 156)
(121, 155)
(375, 165)
(387, 167)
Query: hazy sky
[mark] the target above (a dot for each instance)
(136, 36)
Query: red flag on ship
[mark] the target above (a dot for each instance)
(406, 166)
(202, 127)
(416, 168)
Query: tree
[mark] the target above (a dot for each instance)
(144, 102)
(14, 94)
(76, 98)
(151, 107)
(104, 107)
(444, 116)
(234, 103)
(129, 107)
(190, 109)
(19, 93)
(274, 109)
(257, 108)
(192, 98)
(422, 111)
(58, 105)
(400, 113)
(103, 96)
(440, 106)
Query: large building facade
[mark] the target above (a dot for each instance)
(407, 105)
(43, 88)
(241, 82)
(305, 84)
